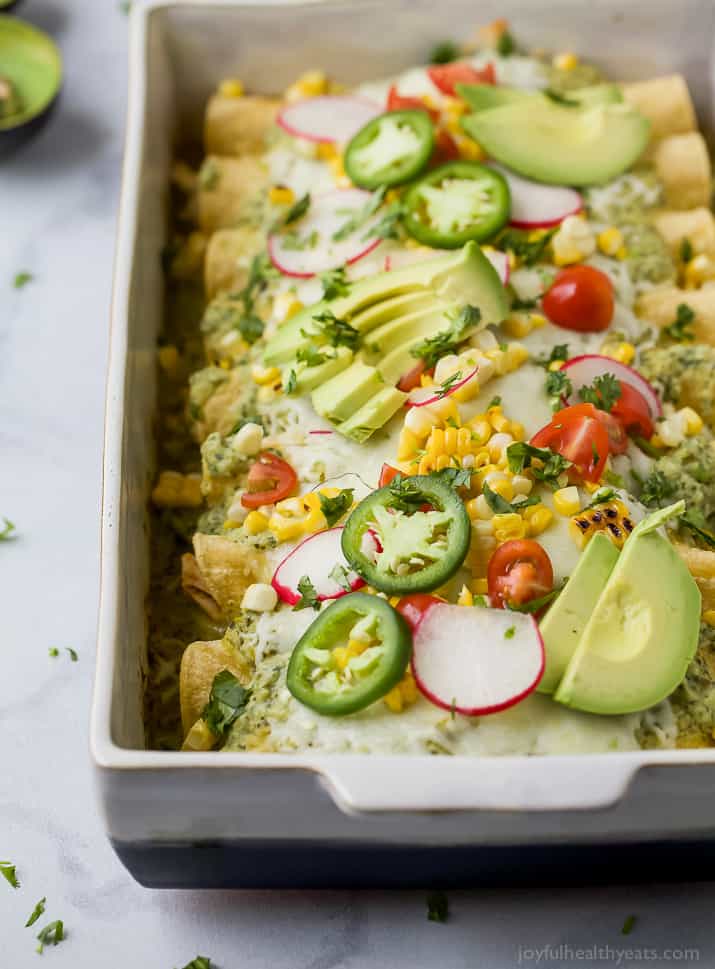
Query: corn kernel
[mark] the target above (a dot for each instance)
(169, 360)
(501, 485)
(286, 306)
(498, 421)
(518, 431)
(480, 587)
(693, 421)
(393, 699)
(508, 527)
(521, 484)
(567, 501)
(610, 241)
(231, 87)
(264, 376)
(281, 195)
(709, 617)
(468, 148)
(465, 597)
(481, 430)
(407, 445)
(308, 85)
(566, 61)
(591, 486)
(539, 519)
(255, 522)
(699, 270)
(622, 352)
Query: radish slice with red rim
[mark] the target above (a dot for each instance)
(308, 247)
(538, 206)
(476, 660)
(430, 395)
(583, 370)
(500, 261)
(316, 557)
(327, 118)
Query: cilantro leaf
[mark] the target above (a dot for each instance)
(510, 632)
(200, 962)
(297, 210)
(500, 506)
(308, 595)
(339, 333)
(455, 477)
(695, 522)
(494, 402)
(557, 386)
(53, 651)
(340, 576)
(444, 53)
(656, 488)
(448, 384)
(686, 249)
(437, 907)
(227, 701)
(523, 304)
(73, 653)
(22, 279)
(447, 341)
(7, 533)
(291, 383)
(629, 925)
(334, 508)
(603, 393)
(558, 354)
(534, 605)
(602, 497)
(405, 495)
(251, 327)
(506, 44)
(297, 243)
(9, 873)
(360, 216)
(335, 283)
(527, 250)
(389, 224)
(561, 99)
(681, 329)
(310, 356)
(36, 913)
(550, 465)
(52, 934)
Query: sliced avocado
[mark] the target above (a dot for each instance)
(373, 414)
(561, 144)
(341, 396)
(308, 378)
(409, 329)
(563, 624)
(484, 97)
(391, 309)
(643, 632)
(463, 276)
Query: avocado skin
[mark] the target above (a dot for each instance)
(642, 634)
(564, 623)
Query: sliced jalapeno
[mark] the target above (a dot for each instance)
(456, 202)
(353, 654)
(409, 536)
(390, 149)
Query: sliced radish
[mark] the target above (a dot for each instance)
(427, 395)
(582, 371)
(327, 214)
(316, 557)
(537, 206)
(476, 660)
(328, 118)
(500, 261)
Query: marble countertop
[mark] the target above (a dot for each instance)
(58, 200)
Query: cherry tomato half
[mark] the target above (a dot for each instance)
(412, 379)
(518, 572)
(399, 102)
(445, 148)
(447, 76)
(578, 434)
(580, 298)
(414, 607)
(631, 410)
(270, 479)
(617, 437)
(387, 473)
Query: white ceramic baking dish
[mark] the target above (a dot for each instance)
(249, 819)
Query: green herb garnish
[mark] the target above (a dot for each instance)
(291, 383)
(339, 333)
(681, 329)
(523, 304)
(510, 632)
(455, 477)
(695, 522)
(22, 279)
(528, 251)
(521, 455)
(561, 99)
(310, 356)
(437, 907)
(559, 354)
(200, 962)
(308, 595)
(444, 53)
(686, 249)
(359, 217)
(405, 495)
(656, 488)
(494, 402)
(297, 210)
(448, 384)
(601, 497)
(447, 341)
(8, 532)
(9, 873)
(227, 701)
(340, 576)
(333, 509)
(500, 506)
(629, 924)
(335, 283)
(295, 243)
(535, 605)
(36, 913)
(389, 224)
(506, 44)
(251, 328)
(603, 393)
(613, 478)
(52, 934)
(557, 386)
(53, 651)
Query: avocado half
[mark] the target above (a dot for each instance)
(30, 80)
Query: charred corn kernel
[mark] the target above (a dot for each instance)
(622, 352)
(565, 61)
(611, 518)
(199, 737)
(610, 241)
(285, 306)
(539, 519)
(255, 523)
(521, 484)
(281, 195)
(465, 597)
(693, 421)
(403, 694)
(176, 490)
(709, 617)
(508, 527)
(231, 87)
(567, 501)
(265, 375)
(308, 85)
(699, 270)
(168, 357)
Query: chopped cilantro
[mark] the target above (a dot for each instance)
(656, 488)
(227, 700)
(9, 873)
(603, 393)
(629, 925)
(444, 53)
(527, 250)
(521, 455)
(52, 934)
(405, 495)
(7, 533)
(506, 44)
(523, 304)
(500, 506)
(480, 601)
(695, 522)
(73, 653)
(200, 962)
(561, 99)
(335, 283)
(389, 224)
(558, 354)
(340, 576)
(448, 384)
(310, 356)
(53, 651)
(455, 477)
(447, 341)
(297, 210)
(22, 279)
(534, 605)
(359, 217)
(437, 907)
(295, 243)
(308, 595)
(686, 249)
(338, 332)
(291, 383)
(681, 329)
(333, 509)
(510, 632)
(251, 327)
(614, 479)
(494, 402)
(602, 497)
(557, 386)
(36, 913)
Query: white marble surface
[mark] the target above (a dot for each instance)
(58, 205)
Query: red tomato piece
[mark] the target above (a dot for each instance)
(387, 474)
(445, 77)
(580, 298)
(445, 148)
(398, 102)
(578, 434)
(270, 479)
(617, 437)
(414, 607)
(412, 379)
(518, 572)
(631, 410)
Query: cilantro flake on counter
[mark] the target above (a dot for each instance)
(52, 934)
(8, 532)
(510, 632)
(629, 925)
(22, 279)
(437, 907)
(9, 873)
(36, 912)
(200, 962)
